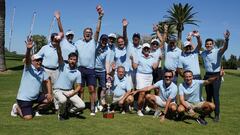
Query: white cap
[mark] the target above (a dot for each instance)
(35, 57)
(146, 45)
(69, 32)
(186, 43)
(155, 40)
(112, 35)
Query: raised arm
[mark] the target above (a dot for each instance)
(29, 45)
(58, 48)
(161, 37)
(100, 15)
(125, 24)
(57, 16)
(199, 41)
(225, 45)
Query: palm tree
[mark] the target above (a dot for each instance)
(170, 31)
(2, 36)
(180, 15)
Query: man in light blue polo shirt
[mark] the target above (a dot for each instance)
(50, 58)
(191, 100)
(102, 54)
(171, 51)
(166, 97)
(67, 45)
(111, 45)
(189, 58)
(86, 48)
(30, 89)
(212, 64)
(67, 86)
(122, 90)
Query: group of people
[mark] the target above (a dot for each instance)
(61, 69)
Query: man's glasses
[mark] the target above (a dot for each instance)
(167, 76)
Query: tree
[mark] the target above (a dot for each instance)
(238, 62)
(39, 41)
(180, 15)
(146, 39)
(232, 62)
(219, 42)
(2, 36)
(170, 31)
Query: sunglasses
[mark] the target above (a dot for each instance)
(167, 76)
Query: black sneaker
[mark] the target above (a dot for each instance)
(201, 121)
(216, 118)
(62, 117)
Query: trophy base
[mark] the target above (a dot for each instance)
(108, 115)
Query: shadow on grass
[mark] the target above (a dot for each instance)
(17, 68)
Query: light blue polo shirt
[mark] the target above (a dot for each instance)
(189, 61)
(31, 83)
(156, 54)
(101, 57)
(212, 60)
(67, 78)
(67, 48)
(121, 58)
(171, 57)
(86, 53)
(49, 55)
(120, 86)
(167, 92)
(145, 65)
(134, 51)
(193, 93)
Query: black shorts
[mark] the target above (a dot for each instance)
(88, 76)
(26, 106)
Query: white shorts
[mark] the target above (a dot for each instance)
(143, 80)
(117, 99)
(129, 78)
(160, 102)
(53, 74)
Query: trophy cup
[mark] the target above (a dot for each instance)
(108, 100)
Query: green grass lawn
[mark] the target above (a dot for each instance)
(121, 124)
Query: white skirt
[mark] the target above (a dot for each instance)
(143, 80)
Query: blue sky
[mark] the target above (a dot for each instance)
(214, 16)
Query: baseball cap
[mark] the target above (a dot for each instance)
(155, 40)
(146, 45)
(112, 35)
(104, 36)
(69, 32)
(187, 43)
(172, 38)
(36, 57)
(136, 35)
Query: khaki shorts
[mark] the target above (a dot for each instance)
(117, 99)
(195, 106)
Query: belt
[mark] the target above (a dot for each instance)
(212, 73)
(50, 68)
(62, 89)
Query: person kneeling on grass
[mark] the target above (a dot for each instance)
(121, 90)
(64, 90)
(166, 97)
(31, 85)
(191, 100)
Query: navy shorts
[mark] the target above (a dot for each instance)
(26, 106)
(101, 79)
(88, 76)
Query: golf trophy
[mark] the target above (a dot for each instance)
(108, 100)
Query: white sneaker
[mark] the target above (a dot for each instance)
(37, 114)
(100, 108)
(92, 114)
(157, 114)
(139, 113)
(14, 110)
(147, 109)
(96, 109)
(123, 112)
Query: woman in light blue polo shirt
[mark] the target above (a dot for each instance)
(145, 65)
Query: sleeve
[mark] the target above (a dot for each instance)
(200, 82)
(128, 86)
(173, 93)
(79, 79)
(41, 51)
(157, 84)
(45, 76)
(180, 63)
(181, 89)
